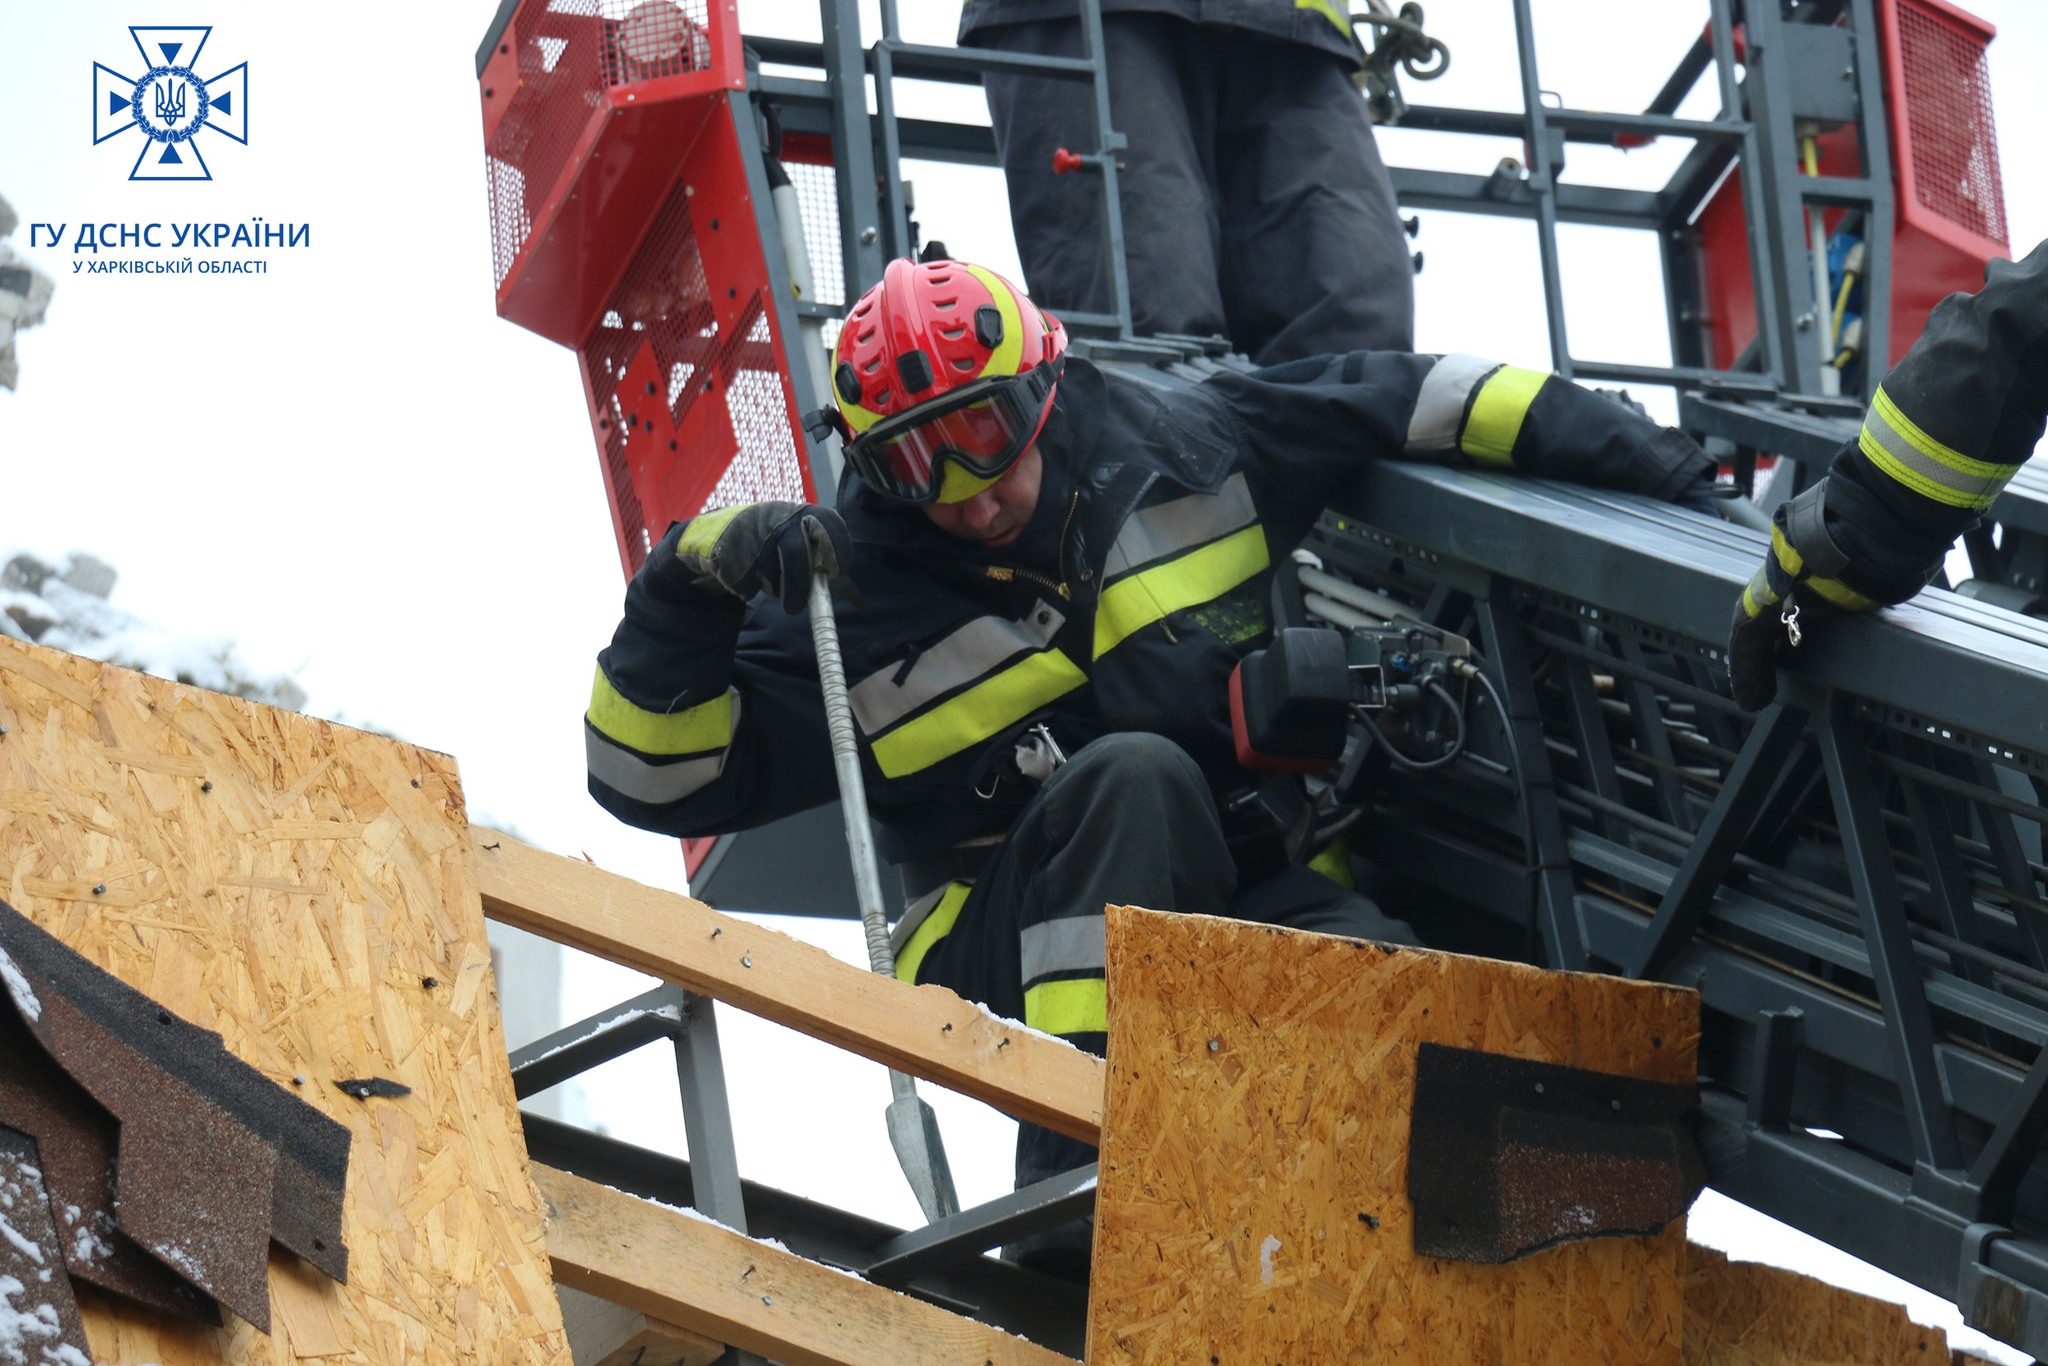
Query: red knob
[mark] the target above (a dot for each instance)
(1064, 161)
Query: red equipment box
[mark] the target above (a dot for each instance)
(622, 225)
(1949, 202)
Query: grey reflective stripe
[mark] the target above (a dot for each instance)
(1924, 472)
(657, 784)
(1440, 405)
(968, 654)
(1074, 944)
(914, 915)
(1153, 533)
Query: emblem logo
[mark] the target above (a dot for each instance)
(170, 103)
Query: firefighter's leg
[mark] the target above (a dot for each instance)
(1129, 820)
(1303, 899)
(1171, 230)
(1314, 258)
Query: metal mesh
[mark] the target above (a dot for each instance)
(569, 52)
(757, 400)
(1947, 126)
(817, 193)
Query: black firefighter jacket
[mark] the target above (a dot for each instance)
(706, 713)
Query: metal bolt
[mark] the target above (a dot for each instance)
(1805, 322)
(299, 1080)
(867, 237)
(430, 982)
(99, 889)
(1615, 1104)
(767, 1299)
(716, 931)
(1215, 1045)
(3, 730)
(1539, 1088)
(206, 785)
(745, 961)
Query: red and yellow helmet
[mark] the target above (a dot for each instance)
(943, 376)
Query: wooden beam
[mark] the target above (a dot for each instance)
(704, 1277)
(605, 1334)
(926, 1031)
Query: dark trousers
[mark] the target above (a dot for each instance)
(1255, 204)
(1128, 821)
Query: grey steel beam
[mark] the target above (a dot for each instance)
(577, 1048)
(1044, 1205)
(853, 149)
(707, 1115)
(1720, 838)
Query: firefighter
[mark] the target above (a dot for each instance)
(1950, 426)
(1048, 573)
(1255, 204)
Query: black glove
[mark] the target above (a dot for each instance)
(1757, 639)
(1796, 588)
(761, 548)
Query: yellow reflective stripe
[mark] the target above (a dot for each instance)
(956, 485)
(1329, 10)
(1334, 863)
(1077, 1007)
(1789, 558)
(1009, 352)
(1757, 594)
(704, 530)
(695, 730)
(1842, 595)
(1497, 412)
(978, 713)
(1896, 445)
(858, 418)
(931, 930)
(1139, 599)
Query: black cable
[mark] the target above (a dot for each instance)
(1412, 765)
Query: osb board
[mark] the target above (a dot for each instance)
(294, 884)
(1253, 1206)
(1747, 1314)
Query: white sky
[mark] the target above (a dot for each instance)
(353, 467)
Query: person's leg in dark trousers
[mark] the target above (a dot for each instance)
(1172, 235)
(1129, 820)
(1314, 260)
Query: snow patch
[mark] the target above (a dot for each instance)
(17, 986)
(1266, 1251)
(30, 1329)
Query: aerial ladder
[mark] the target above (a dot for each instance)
(1852, 881)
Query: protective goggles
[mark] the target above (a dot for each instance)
(982, 428)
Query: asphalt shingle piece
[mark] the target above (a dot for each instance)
(78, 1139)
(1507, 1157)
(220, 1131)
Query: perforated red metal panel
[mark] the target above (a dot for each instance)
(623, 225)
(1944, 124)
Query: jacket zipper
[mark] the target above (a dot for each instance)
(1003, 573)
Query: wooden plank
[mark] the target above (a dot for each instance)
(1253, 1200)
(291, 883)
(605, 1334)
(926, 1031)
(1748, 1314)
(686, 1270)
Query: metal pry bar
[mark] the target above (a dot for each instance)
(913, 1128)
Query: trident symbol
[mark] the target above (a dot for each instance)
(172, 109)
